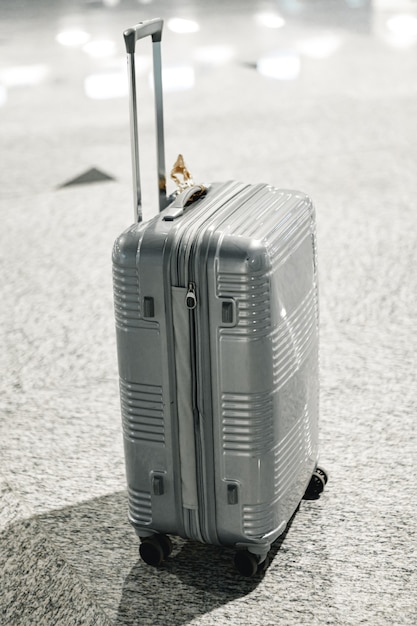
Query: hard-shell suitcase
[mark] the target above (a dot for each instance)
(216, 307)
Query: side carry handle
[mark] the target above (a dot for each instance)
(151, 28)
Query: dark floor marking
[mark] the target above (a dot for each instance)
(92, 175)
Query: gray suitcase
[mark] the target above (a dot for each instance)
(216, 307)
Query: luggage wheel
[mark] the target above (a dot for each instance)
(155, 549)
(316, 485)
(248, 564)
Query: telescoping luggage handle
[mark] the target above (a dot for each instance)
(151, 28)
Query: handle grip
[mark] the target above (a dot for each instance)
(151, 28)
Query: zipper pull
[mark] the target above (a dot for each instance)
(190, 298)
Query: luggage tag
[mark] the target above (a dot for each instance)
(187, 191)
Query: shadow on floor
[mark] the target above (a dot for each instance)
(196, 579)
(80, 564)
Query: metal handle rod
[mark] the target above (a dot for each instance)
(131, 36)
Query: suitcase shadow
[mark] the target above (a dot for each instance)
(195, 580)
(84, 558)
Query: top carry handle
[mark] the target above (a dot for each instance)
(151, 28)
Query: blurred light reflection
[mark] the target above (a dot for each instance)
(281, 66)
(319, 47)
(179, 78)
(214, 55)
(403, 28)
(270, 20)
(73, 37)
(23, 75)
(100, 48)
(182, 26)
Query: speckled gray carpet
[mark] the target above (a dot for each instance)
(344, 131)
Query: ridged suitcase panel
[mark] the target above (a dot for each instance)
(142, 412)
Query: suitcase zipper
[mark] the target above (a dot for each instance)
(194, 520)
(191, 299)
(191, 304)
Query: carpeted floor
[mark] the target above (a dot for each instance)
(339, 122)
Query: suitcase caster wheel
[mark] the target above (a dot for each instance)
(166, 544)
(262, 567)
(151, 551)
(315, 486)
(322, 472)
(246, 563)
